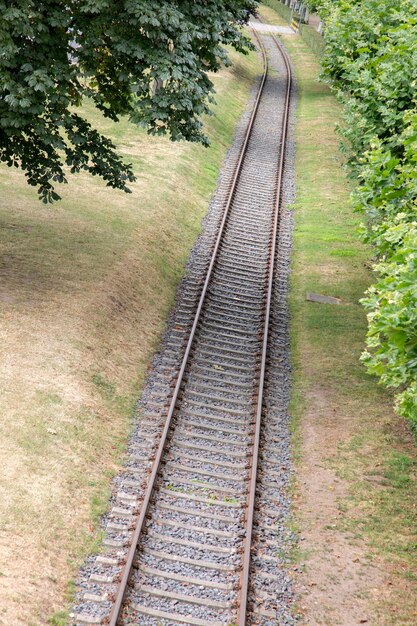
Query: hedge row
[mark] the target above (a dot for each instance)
(371, 61)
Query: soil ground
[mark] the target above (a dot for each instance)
(356, 461)
(86, 286)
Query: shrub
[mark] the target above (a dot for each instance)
(371, 61)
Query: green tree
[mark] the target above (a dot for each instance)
(147, 59)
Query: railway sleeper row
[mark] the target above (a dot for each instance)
(187, 568)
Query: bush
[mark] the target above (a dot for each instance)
(371, 61)
(392, 304)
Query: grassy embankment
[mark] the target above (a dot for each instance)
(309, 34)
(356, 461)
(86, 288)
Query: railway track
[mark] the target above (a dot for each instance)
(192, 524)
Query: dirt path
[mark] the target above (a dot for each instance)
(340, 583)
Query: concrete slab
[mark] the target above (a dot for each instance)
(317, 297)
(268, 28)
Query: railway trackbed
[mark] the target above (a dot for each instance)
(189, 527)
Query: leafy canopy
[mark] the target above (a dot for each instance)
(147, 59)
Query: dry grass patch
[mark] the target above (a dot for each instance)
(85, 289)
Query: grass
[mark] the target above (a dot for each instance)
(356, 460)
(86, 288)
(307, 32)
(283, 10)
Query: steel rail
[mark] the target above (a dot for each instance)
(250, 508)
(120, 595)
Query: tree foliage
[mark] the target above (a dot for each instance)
(147, 59)
(371, 60)
(313, 5)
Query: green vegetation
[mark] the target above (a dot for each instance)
(355, 460)
(371, 62)
(282, 10)
(313, 39)
(59, 619)
(147, 59)
(308, 33)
